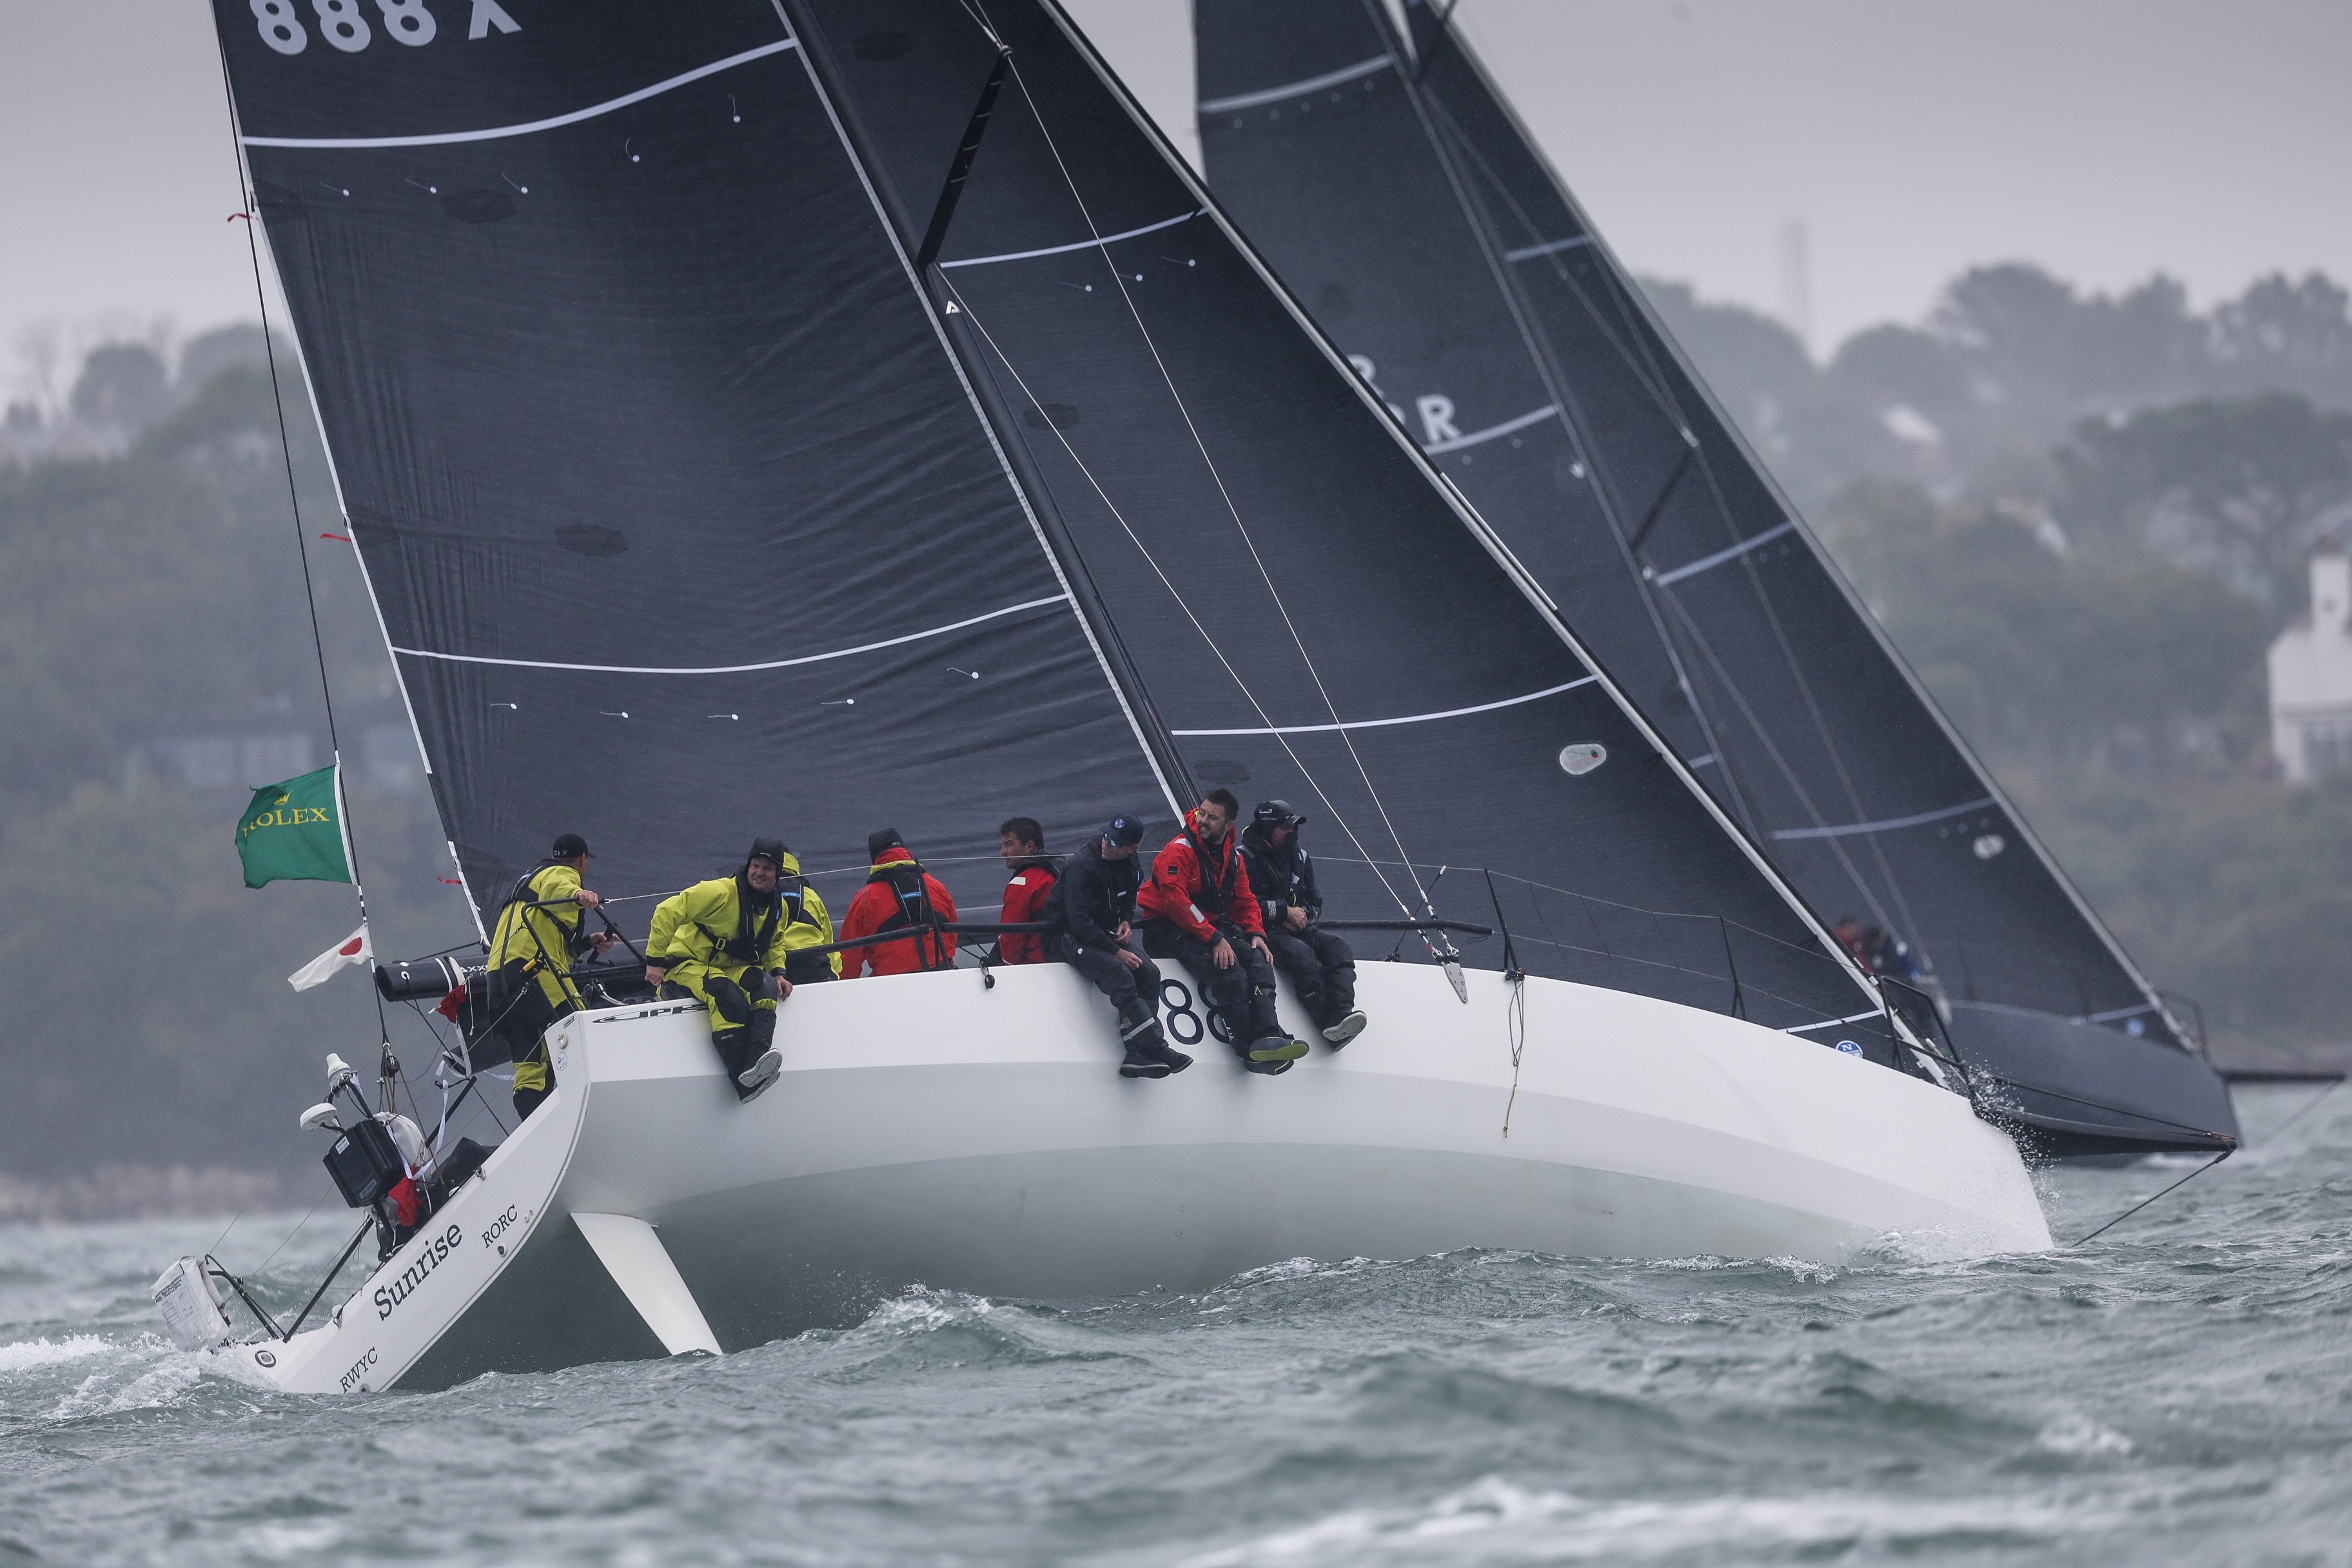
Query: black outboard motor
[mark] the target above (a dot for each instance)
(365, 1162)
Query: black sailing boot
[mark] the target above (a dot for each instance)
(765, 1062)
(1147, 1052)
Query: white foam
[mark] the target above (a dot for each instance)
(42, 1352)
(2078, 1436)
(1571, 1529)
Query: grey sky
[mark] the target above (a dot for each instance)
(2104, 139)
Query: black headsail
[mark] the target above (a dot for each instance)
(683, 524)
(1413, 215)
(1313, 616)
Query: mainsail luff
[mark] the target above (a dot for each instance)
(1104, 196)
(1328, 194)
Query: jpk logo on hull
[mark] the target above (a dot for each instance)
(405, 1283)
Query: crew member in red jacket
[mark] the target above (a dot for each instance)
(1198, 909)
(1029, 896)
(898, 893)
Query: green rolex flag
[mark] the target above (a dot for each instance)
(293, 832)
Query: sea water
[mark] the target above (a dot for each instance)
(2177, 1390)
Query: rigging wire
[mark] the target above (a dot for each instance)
(1216, 476)
(2146, 1201)
(1637, 358)
(294, 505)
(1182, 604)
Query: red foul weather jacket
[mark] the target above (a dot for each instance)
(1028, 897)
(895, 889)
(1177, 891)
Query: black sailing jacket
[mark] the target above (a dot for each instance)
(1096, 895)
(1280, 877)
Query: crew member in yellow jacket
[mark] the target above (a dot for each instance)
(536, 939)
(728, 943)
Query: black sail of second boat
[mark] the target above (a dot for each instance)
(1409, 210)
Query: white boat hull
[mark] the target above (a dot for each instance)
(929, 1130)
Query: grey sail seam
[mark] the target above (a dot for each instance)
(1665, 579)
(1548, 248)
(498, 133)
(1886, 826)
(1493, 432)
(1293, 88)
(1076, 243)
(741, 669)
(1407, 718)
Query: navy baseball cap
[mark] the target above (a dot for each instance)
(568, 845)
(1124, 830)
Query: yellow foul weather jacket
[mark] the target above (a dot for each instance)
(542, 939)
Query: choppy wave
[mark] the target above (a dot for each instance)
(2174, 1391)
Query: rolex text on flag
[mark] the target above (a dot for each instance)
(293, 832)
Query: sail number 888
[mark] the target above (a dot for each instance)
(344, 23)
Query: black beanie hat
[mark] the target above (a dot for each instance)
(771, 850)
(888, 838)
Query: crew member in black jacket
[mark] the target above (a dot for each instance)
(1319, 963)
(1093, 912)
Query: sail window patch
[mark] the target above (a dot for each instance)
(1720, 556)
(495, 133)
(735, 669)
(1577, 760)
(1290, 90)
(1075, 244)
(1407, 719)
(1889, 825)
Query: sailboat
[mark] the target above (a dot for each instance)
(811, 417)
(1388, 180)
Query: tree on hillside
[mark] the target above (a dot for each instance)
(2239, 487)
(2285, 336)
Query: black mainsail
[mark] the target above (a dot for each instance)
(681, 522)
(1413, 215)
(696, 502)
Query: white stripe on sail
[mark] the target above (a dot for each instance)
(735, 669)
(1890, 824)
(1293, 88)
(2114, 1014)
(1493, 432)
(1829, 1022)
(1078, 244)
(1549, 247)
(497, 132)
(1720, 556)
(1407, 719)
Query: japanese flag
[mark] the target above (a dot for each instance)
(353, 950)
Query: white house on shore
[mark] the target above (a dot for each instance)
(2311, 679)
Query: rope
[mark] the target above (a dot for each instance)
(2144, 1202)
(1216, 476)
(1182, 603)
(294, 505)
